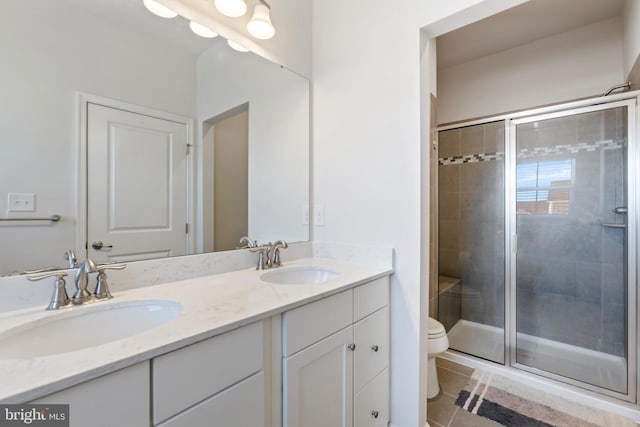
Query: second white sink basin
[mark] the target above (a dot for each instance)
(84, 327)
(300, 276)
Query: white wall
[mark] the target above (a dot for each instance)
(631, 41)
(367, 97)
(366, 158)
(48, 52)
(575, 64)
(278, 136)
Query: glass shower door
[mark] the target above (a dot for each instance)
(471, 253)
(570, 269)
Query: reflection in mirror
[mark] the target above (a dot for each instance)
(116, 56)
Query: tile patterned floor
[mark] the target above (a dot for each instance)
(441, 410)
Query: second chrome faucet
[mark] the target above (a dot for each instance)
(269, 254)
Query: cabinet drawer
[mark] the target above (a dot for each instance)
(120, 398)
(370, 334)
(187, 376)
(370, 297)
(371, 401)
(240, 405)
(310, 323)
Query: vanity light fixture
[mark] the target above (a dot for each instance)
(237, 46)
(202, 31)
(232, 8)
(260, 25)
(159, 9)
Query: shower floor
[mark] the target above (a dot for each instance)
(589, 366)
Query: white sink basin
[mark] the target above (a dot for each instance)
(300, 276)
(83, 327)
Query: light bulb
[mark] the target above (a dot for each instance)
(202, 31)
(237, 46)
(232, 8)
(260, 25)
(159, 9)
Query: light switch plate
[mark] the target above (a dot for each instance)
(318, 215)
(21, 202)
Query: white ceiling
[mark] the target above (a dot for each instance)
(523, 24)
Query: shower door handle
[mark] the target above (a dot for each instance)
(620, 210)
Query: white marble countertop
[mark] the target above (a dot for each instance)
(210, 305)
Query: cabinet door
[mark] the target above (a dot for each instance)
(371, 337)
(371, 408)
(318, 384)
(117, 399)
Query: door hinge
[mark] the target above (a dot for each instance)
(189, 147)
(186, 228)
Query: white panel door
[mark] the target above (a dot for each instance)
(136, 186)
(318, 384)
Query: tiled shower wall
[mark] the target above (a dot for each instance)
(570, 268)
(471, 210)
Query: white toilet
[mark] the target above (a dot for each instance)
(438, 344)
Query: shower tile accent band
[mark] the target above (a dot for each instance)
(471, 158)
(568, 148)
(533, 152)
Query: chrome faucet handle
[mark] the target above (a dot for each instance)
(247, 242)
(102, 288)
(262, 251)
(81, 295)
(275, 260)
(59, 298)
(43, 270)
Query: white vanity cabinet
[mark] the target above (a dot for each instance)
(120, 398)
(219, 381)
(336, 358)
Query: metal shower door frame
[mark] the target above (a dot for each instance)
(511, 243)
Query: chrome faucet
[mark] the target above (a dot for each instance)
(82, 295)
(60, 299)
(274, 253)
(269, 254)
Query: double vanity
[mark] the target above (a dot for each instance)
(303, 344)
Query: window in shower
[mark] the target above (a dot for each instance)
(544, 187)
